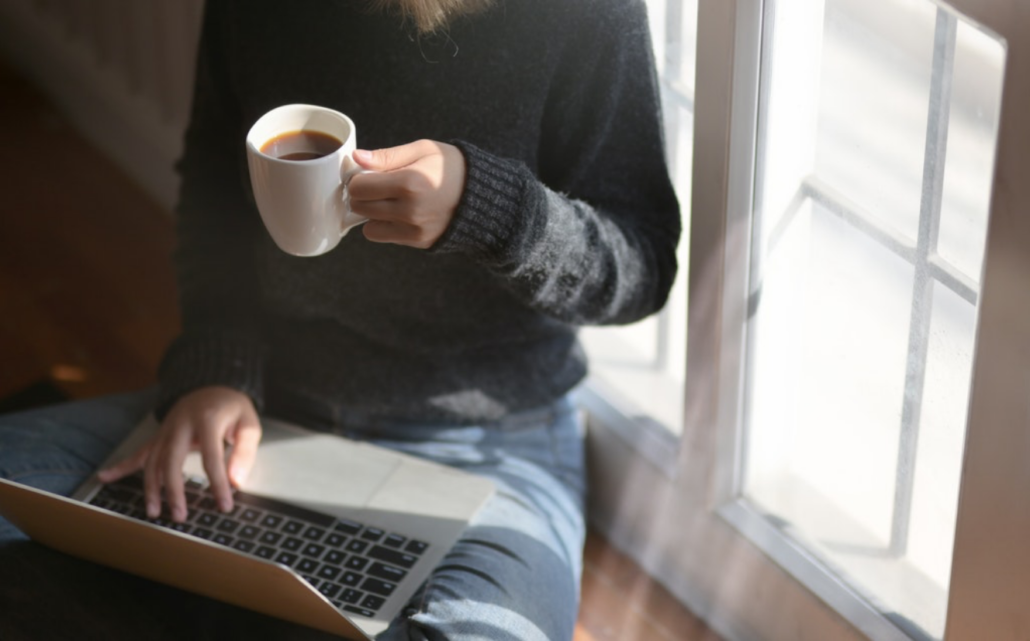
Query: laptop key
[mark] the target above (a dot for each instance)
(228, 526)
(347, 527)
(223, 539)
(362, 611)
(356, 563)
(249, 531)
(388, 572)
(416, 547)
(329, 572)
(271, 520)
(393, 557)
(207, 519)
(335, 540)
(314, 550)
(250, 515)
(293, 527)
(265, 552)
(312, 580)
(394, 540)
(384, 588)
(307, 566)
(330, 590)
(293, 544)
(335, 557)
(373, 602)
(203, 533)
(372, 534)
(350, 595)
(350, 578)
(286, 558)
(243, 546)
(357, 546)
(314, 533)
(271, 538)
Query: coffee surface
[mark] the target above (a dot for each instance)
(301, 145)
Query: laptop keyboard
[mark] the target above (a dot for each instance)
(356, 567)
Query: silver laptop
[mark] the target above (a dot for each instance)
(327, 532)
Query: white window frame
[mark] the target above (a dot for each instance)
(683, 521)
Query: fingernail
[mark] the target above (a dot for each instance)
(225, 505)
(361, 154)
(152, 510)
(179, 514)
(239, 475)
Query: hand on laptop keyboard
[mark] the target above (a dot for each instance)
(206, 420)
(355, 566)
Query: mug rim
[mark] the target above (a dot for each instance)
(261, 122)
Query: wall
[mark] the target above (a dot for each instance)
(121, 70)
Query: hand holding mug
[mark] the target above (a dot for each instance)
(311, 186)
(410, 193)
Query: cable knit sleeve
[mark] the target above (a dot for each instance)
(216, 228)
(592, 238)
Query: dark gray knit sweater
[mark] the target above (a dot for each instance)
(568, 216)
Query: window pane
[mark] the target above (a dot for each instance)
(878, 129)
(875, 86)
(967, 178)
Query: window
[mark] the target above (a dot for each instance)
(879, 129)
(857, 362)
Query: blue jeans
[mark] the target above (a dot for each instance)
(513, 576)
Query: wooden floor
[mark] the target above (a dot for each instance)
(87, 301)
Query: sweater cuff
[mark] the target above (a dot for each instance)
(195, 361)
(485, 219)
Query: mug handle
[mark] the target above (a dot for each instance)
(349, 219)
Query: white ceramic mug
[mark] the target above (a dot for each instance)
(304, 204)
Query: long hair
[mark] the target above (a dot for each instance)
(429, 16)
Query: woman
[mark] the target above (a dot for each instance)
(519, 190)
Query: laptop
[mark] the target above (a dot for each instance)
(328, 532)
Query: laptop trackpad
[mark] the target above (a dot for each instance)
(301, 465)
(297, 465)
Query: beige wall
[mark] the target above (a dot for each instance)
(121, 70)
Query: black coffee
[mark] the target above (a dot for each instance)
(301, 145)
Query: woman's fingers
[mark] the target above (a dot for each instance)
(125, 467)
(418, 185)
(177, 445)
(245, 443)
(204, 420)
(379, 231)
(392, 158)
(152, 480)
(212, 453)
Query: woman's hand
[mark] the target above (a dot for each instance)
(205, 420)
(411, 197)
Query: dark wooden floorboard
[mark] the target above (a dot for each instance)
(87, 301)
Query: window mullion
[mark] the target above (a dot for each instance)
(934, 160)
